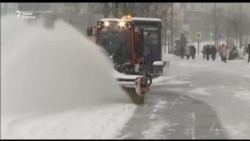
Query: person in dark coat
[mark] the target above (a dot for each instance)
(183, 41)
(221, 48)
(213, 51)
(248, 51)
(188, 52)
(182, 52)
(203, 51)
(193, 51)
(207, 52)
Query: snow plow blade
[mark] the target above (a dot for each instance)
(133, 95)
(130, 86)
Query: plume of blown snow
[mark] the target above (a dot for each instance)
(52, 70)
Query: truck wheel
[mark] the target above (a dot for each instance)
(150, 79)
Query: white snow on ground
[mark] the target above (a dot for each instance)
(170, 80)
(242, 93)
(200, 91)
(186, 64)
(160, 104)
(239, 131)
(51, 88)
(178, 82)
(96, 124)
(153, 116)
(161, 79)
(175, 89)
(154, 131)
(230, 100)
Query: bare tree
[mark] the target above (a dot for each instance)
(106, 10)
(120, 9)
(128, 8)
(115, 9)
(143, 9)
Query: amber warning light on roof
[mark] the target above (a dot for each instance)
(129, 16)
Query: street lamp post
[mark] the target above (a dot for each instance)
(215, 24)
(172, 28)
(240, 24)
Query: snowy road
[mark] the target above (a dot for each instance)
(197, 100)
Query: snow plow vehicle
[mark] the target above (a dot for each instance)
(134, 45)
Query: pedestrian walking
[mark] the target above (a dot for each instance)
(207, 52)
(203, 51)
(213, 52)
(182, 52)
(225, 54)
(193, 51)
(188, 52)
(221, 48)
(248, 51)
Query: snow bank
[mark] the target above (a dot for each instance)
(49, 72)
(158, 63)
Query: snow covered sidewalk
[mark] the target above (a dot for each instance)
(102, 123)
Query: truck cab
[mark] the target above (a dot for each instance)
(132, 42)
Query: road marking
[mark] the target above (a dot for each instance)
(155, 130)
(193, 126)
(190, 127)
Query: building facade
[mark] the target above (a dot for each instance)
(198, 17)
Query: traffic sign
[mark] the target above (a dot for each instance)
(198, 35)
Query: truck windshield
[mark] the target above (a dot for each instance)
(152, 37)
(116, 42)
